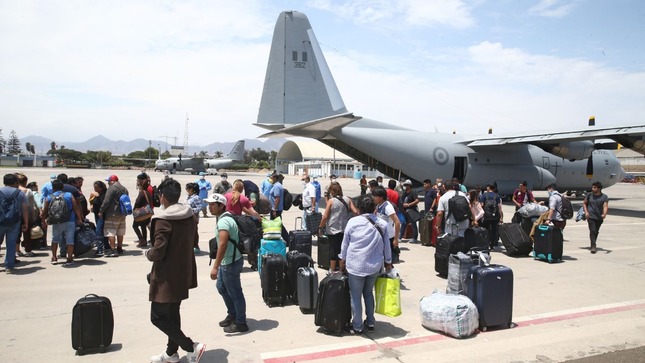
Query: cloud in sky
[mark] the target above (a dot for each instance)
(128, 69)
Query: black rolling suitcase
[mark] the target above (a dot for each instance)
(491, 289)
(425, 229)
(323, 257)
(333, 310)
(296, 260)
(307, 289)
(447, 245)
(516, 242)
(476, 237)
(275, 288)
(92, 324)
(548, 243)
(300, 239)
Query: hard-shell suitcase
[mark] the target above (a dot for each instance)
(323, 257)
(296, 260)
(273, 280)
(476, 237)
(333, 310)
(313, 222)
(516, 242)
(270, 246)
(548, 243)
(447, 245)
(307, 289)
(425, 229)
(491, 289)
(300, 239)
(92, 324)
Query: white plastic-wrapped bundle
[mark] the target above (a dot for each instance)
(458, 267)
(454, 315)
(532, 210)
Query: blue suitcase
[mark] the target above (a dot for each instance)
(547, 244)
(491, 289)
(267, 246)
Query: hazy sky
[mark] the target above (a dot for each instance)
(73, 69)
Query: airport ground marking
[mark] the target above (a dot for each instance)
(358, 347)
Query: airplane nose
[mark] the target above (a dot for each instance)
(620, 174)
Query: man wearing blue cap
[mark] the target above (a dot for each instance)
(204, 186)
(47, 188)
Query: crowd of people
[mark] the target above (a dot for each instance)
(364, 233)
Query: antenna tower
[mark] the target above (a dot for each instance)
(186, 134)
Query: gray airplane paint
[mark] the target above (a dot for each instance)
(235, 156)
(300, 98)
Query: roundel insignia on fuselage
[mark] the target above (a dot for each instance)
(440, 156)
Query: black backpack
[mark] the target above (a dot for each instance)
(459, 207)
(58, 211)
(155, 197)
(9, 208)
(491, 208)
(567, 208)
(213, 246)
(288, 200)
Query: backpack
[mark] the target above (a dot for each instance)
(125, 205)
(567, 208)
(491, 208)
(58, 210)
(288, 200)
(249, 232)
(155, 197)
(9, 208)
(213, 245)
(459, 207)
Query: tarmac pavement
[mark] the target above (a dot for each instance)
(584, 307)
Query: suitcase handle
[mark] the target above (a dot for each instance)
(295, 223)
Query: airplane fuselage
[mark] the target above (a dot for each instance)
(194, 165)
(422, 155)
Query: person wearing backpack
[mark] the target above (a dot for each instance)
(555, 207)
(227, 267)
(455, 211)
(114, 227)
(491, 202)
(62, 212)
(337, 212)
(277, 202)
(13, 218)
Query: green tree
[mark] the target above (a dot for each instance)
(98, 157)
(3, 143)
(13, 145)
(218, 154)
(68, 156)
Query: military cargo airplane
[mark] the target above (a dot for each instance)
(235, 156)
(192, 165)
(300, 98)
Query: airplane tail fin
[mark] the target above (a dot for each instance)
(298, 86)
(237, 153)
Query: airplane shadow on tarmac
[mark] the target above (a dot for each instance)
(215, 355)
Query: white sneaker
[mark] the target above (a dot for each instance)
(196, 355)
(165, 358)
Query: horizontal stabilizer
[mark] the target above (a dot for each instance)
(315, 129)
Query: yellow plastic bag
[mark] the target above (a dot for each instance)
(388, 296)
(272, 229)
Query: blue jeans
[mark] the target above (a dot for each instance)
(10, 234)
(362, 286)
(229, 286)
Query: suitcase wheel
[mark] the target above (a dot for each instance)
(484, 328)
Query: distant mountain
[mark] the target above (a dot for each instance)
(120, 147)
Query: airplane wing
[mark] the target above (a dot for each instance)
(629, 136)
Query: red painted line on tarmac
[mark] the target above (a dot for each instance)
(436, 337)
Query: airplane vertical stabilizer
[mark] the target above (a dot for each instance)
(298, 86)
(237, 153)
